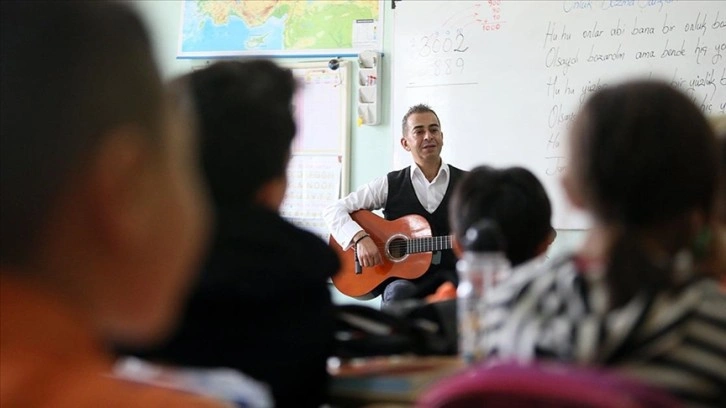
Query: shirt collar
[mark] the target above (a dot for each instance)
(443, 169)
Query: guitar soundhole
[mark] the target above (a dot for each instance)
(397, 248)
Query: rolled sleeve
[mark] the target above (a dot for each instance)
(371, 196)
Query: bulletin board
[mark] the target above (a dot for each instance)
(507, 78)
(319, 166)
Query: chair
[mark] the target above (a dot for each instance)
(541, 385)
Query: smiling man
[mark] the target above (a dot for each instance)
(424, 189)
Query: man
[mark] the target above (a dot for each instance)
(424, 188)
(102, 214)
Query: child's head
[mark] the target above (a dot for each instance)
(515, 199)
(719, 261)
(641, 153)
(643, 160)
(100, 203)
(719, 126)
(246, 129)
(722, 207)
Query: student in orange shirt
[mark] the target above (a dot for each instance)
(102, 215)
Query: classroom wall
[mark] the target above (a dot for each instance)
(371, 147)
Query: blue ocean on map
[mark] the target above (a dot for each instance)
(201, 34)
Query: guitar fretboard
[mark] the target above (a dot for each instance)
(428, 244)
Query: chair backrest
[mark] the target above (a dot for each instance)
(542, 385)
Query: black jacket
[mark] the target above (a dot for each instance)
(262, 306)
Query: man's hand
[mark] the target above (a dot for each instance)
(368, 252)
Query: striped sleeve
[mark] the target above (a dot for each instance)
(672, 340)
(682, 345)
(537, 314)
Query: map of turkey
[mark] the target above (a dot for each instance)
(218, 28)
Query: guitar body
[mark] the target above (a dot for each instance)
(389, 237)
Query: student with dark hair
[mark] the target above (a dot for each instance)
(102, 213)
(639, 294)
(424, 188)
(719, 125)
(719, 263)
(722, 208)
(262, 303)
(517, 202)
(512, 197)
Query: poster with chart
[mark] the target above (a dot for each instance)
(313, 184)
(319, 109)
(507, 77)
(318, 170)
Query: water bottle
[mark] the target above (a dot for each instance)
(481, 266)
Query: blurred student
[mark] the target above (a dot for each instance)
(515, 199)
(512, 197)
(102, 214)
(721, 271)
(638, 294)
(719, 125)
(262, 304)
(721, 210)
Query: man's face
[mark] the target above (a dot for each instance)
(423, 137)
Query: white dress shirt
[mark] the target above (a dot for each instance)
(373, 196)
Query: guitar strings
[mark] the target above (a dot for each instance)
(393, 245)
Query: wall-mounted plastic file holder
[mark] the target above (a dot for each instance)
(367, 94)
(369, 83)
(367, 114)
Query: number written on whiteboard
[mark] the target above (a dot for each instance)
(447, 41)
(440, 53)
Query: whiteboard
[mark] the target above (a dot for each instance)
(508, 77)
(318, 170)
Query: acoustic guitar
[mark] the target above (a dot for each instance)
(406, 246)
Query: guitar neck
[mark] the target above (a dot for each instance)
(428, 244)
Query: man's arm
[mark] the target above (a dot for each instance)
(371, 196)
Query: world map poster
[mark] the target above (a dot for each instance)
(217, 28)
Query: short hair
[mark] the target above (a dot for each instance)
(71, 72)
(420, 108)
(644, 157)
(246, 126)
(512, 197)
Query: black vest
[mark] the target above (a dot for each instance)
(402, 201)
